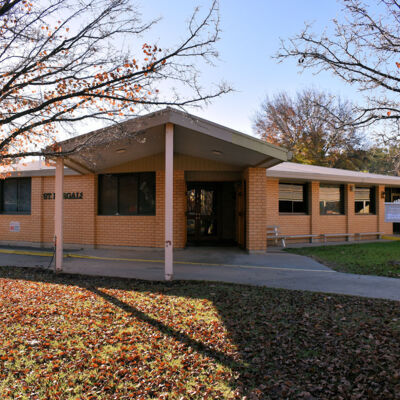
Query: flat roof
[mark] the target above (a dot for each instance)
(287, 171)
(34, 168)
(302, 172)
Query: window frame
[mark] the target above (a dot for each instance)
(28, 181)
(372, 200)
(305, 201)
(341, 199)
(138, 176)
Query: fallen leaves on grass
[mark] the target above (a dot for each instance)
(89, 338)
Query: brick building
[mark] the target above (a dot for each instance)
(228, 188)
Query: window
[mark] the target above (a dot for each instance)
(15, 196)
(331, 199)
(292, 198)
(364, 200)
(392, 194)
(127, 194)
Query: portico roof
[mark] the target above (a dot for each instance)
(144, 136)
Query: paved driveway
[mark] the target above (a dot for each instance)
(273, 269)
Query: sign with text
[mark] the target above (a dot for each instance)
(392, 212)
(67, 196)
(15, 226)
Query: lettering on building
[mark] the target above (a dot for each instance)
(67, 196)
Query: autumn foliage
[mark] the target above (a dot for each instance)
(66, 337)
(315, 126)
(67, 60)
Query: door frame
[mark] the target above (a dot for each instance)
(218, 239)
(198, 239)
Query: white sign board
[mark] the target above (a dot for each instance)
(392, 212)
(14, 226)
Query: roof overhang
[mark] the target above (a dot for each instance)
(304, 173)
(144, 136)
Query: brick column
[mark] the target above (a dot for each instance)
(37, 209)
(160, 209)
(92, 190)
(314, 209)
(349, 193)
(179, 209)
(380, 209)
(256, 210)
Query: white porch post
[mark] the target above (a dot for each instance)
(169, 200)
(59, 213)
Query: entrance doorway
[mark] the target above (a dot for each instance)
(211, 213)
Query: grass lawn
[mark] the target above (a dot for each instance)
(381, 259)
(70, 337)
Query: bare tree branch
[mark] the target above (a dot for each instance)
(362, 49)
(60, 63)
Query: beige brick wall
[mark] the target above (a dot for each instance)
(133, 230)
(147, 231)
(288, 224)
(79, 215)
(256, 220)
(314, 208)
(320, 224)
(30, 225)
(83, 226)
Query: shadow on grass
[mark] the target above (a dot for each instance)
(290, 344)
(167, 330)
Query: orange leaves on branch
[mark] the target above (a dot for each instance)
(108, 91)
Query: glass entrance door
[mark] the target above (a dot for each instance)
(202, 213)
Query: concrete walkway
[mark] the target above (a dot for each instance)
(273, 269)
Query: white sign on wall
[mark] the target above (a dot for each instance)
(14, 226)
(392, 212)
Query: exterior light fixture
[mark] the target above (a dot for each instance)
(217, 152)
(383, 195)
(120, 151)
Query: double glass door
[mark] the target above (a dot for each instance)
(202, 213)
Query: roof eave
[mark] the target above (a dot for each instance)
(329, 178)
(186, 120)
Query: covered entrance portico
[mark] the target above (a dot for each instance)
(209, 183)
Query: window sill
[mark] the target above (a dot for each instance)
(126, 215)
(289, 213)
(359, 214)
(15, 213)
(332, 215)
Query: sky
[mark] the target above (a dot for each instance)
(251, 33)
